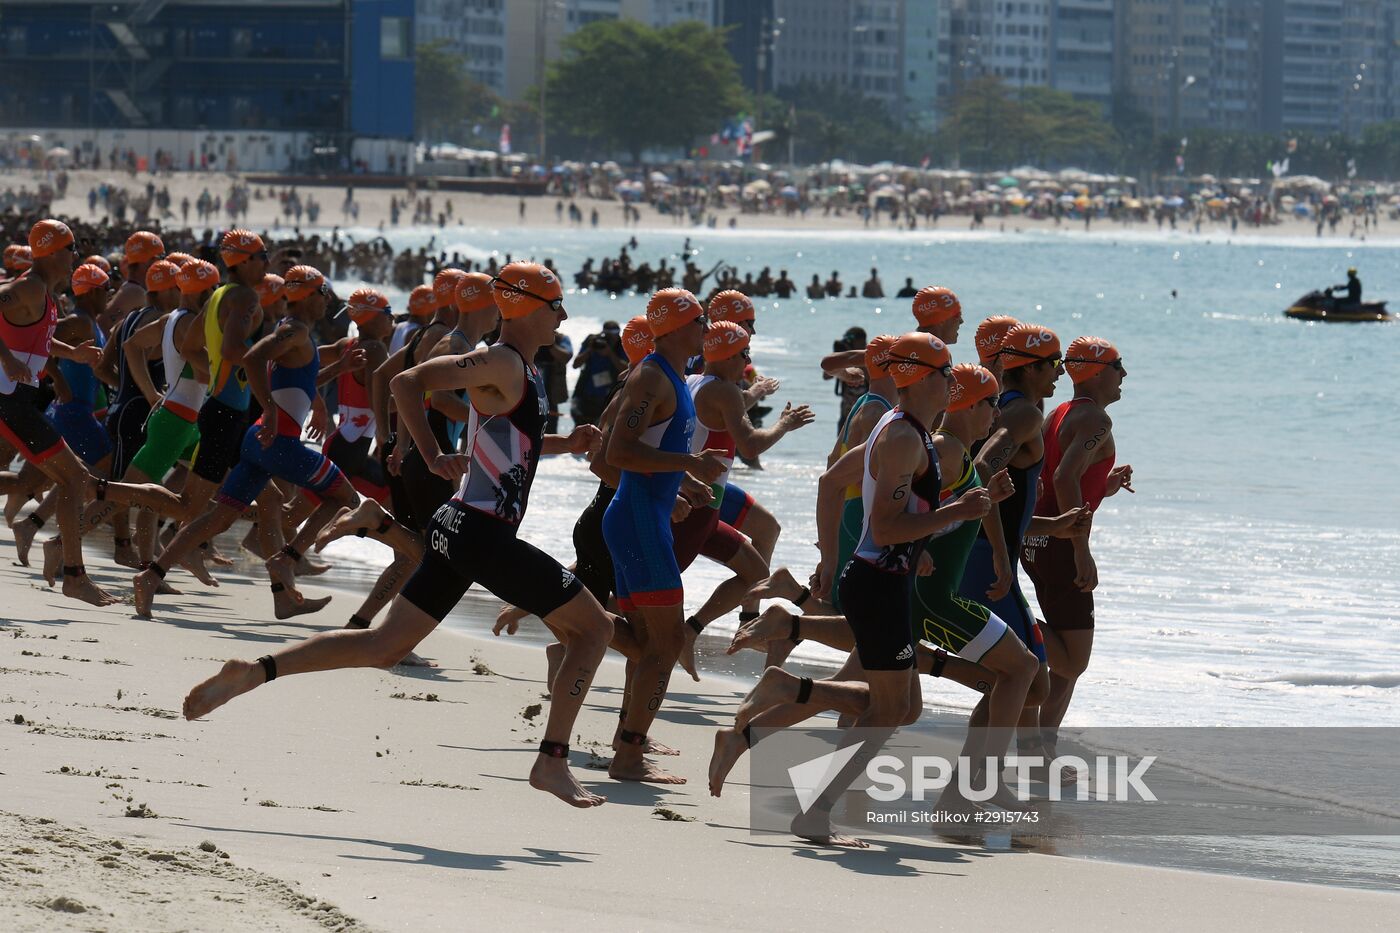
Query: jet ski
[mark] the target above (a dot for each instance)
(1319, 306)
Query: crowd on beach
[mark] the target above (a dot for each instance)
(173, 393)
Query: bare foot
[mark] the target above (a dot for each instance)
(234, 679)
(252, 543)
(413, 659)
(815, 827)
(194, 563)
(552, 775)
(774, 687)
(53, 559)
(687, 657)
(640, 770)
(729, 748)
(143, 587)
(652, 747)
(772, 625)
(81, 587)
(284, 606)
(779, 585)
(13, 503)
(126, 556)
(217, 557)
(165, 589)
(553, 657)
(508, 621)
(24, 537)
(306, 568)
(367, 515)
(778, 652)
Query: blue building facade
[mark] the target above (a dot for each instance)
(335, 67)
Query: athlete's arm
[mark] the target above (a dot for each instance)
(125, 301)
(830, 499)
(62, 391)
(638, 405)
(838, 365)
(578, 441)
(337, 357)
(106, 368)
(137, 348)
(1083, 446)
(898, 455)
(288, 336)
(380, 395)
(484, 373)
(1014, 427)
(451, 405)
(751, 441)
(762, 387)
(189, 343)
(241, 305)
(598, 463)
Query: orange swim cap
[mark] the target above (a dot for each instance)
(724, 340)
(198, 276)
(990, 334)
(366, 304)
(238, 246)
(971, 384)
(1025, 344)
(1089, 356)
(730, 305)
(670, 309)
(301, 282)
(18, 258)
(422, 301)
(913, 357)
(161, 276)
(523, 287)
(48, 237)
(877, 354)
(935, 304)
(179, 258)
(269, 290)
(474, 293)
(636, 339)
(143, 246)
(100, 262)
(445, 286)
(88, 277)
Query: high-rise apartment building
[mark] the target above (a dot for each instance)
(474, 29)
(1081, 49)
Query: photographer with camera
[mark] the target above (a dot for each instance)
(601, 361)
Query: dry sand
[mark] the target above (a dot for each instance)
(396, 800)
(502, 212)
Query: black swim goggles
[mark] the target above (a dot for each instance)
(499, 283)
(1111, 364)
(946, 370)
(1054, 361)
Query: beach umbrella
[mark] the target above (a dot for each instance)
(59, 153)
(660, 178)
(1301, 210)
(1007, 182)
(788, 191)
(1215, 203)
(1114, 192)
(1174, 201)
(1066, 199)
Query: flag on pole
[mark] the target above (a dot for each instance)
(505, 139)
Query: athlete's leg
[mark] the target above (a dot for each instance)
(659, 630)
(217, 519)
(71, 477)
(584, 630)
(1069, 651)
